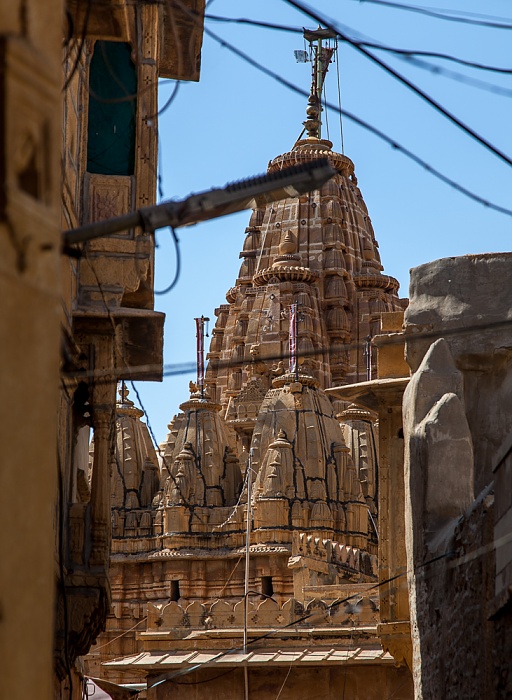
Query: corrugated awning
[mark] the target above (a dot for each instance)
(268, 657)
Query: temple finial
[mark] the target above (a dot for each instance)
(123, 395)
(320, 57)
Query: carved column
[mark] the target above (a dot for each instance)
(394, 629)
(100, 488)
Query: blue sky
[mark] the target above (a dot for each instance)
(230, 124)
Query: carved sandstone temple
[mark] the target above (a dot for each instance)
(262, 422)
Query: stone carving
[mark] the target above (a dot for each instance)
(277, 428)
(181, 483)
(277, 468)
(439, 447)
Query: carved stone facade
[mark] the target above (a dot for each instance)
(311, 460)
(30, 316)
(75, 319)
(457, 430)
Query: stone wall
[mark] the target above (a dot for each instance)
(456, 420)
(328, 683)
(30, 316)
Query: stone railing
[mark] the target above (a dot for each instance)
(173, 619)
(315, 549)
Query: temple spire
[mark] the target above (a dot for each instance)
(320, 57)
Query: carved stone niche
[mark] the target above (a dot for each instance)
(248, 402)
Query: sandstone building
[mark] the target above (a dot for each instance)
(261, 421)
(79, 144)
(450, 487)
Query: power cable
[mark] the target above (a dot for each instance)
(185, 501)
(190, 367)
(365, 125)
(368, 44)
(80, 47)
(123, 370)
(111, 641)
(330, 24)
(438, 14)
(65, 606)
(436, 54)
(171, 99)
(177, 273)
(457, 77)
(284, 682)
(233, 650)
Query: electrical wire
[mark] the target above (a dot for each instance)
(177, 273)
(65, 607)
(339, 100)
(435, 54)
(185, 501)
(308, 616)
(237, 504)
(231, 575)
(457, 77)
(365, 125)
(368, 44)
(190, 367)
(111, 641)
(421, 569)
(284, 682)
(122, 371)
(438, 14)
(80, 47)
(171, 99)
(330, 24)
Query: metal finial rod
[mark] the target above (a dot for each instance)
(200, 352)
(321, 61)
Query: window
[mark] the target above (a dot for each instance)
(267, 589)
(111, 125)
(175, 590)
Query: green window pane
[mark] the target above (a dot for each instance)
(111, 126)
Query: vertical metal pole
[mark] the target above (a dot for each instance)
(247, 545)
(319, 85)
(368, 354)
(200, 353)
(247, 550)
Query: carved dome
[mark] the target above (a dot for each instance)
(197, 451)
(300, 456)
(136, 478)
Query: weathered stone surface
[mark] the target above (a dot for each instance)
(465, 300)
(457, 425)
(449, 460)
(438, 448)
